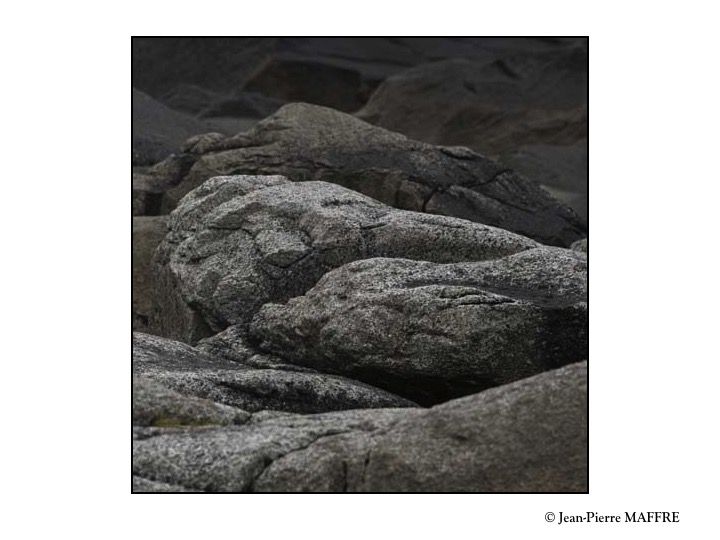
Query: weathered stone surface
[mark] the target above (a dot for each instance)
(432, 332)
(239, 242)
(306, 142)
(333, 86)
(530, 436)
(147, 232)
(142, 485)
(229, 459)
(157, 405)
(232, 345)
(191, 372)
(581, 245)
(243, 105)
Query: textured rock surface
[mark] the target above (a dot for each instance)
(229, 459)
(142, 485)
(329, 275)
(433, 332)
(231, 344)
(333, 86)
(305, 142)
(147, 232)
(190, 372)
(581, 245)
(527, 436)
(157, 405)
(236, 243)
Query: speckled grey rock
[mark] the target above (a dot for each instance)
(157, 405)
(147, 232)
(306, 142)
(431, 332)
(143, 485)
(230, 458)
(191, 372)
(529, 436)
(238, 242)
(231, 344)
(581, 245)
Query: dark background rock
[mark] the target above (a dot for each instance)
(242, 104)
(561, 169)
(221, 64)
(158, 131)
(490, 107)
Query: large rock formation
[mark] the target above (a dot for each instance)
(328, 278)
(236, 243)
(432, 332)
(169, 369)
(305, 142)
(527, 436)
